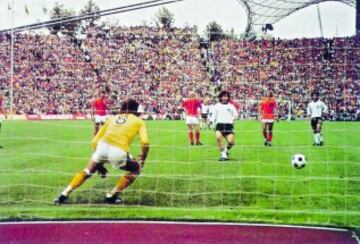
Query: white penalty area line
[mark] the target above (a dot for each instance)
(356, 237)
(151, 222)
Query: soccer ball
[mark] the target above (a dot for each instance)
(298, 161)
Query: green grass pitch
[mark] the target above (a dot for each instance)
(183, 182)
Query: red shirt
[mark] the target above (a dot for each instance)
(267, 108)
(99, 106)
(236, 105)
(192, 107)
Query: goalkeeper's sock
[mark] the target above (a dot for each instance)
(77, 181)
(67, 190)
(191, 137)
(123, 182)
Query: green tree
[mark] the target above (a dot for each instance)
(249, 36)
(90, 7)
(164, 18)
(59, 11)
(231, 35)
(214, 31)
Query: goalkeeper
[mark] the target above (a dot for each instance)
(112, 144)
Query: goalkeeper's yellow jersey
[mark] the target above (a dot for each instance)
(120, 130)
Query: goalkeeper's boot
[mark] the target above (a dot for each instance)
(115, 199)
(60, 199)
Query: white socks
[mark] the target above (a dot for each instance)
(318, 138)
(224, 153)
(67, 190)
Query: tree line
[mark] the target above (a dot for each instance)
(164, 18)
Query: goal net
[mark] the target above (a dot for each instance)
(47, 139)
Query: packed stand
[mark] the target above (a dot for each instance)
(293, 69)
(60, 75)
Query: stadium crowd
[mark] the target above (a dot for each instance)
(56, 75)
(293, 69)
(60, 75)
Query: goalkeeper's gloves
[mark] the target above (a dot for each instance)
(141, 160)
(102, 171)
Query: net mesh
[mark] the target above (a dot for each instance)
(59, 75)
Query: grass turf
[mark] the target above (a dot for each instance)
(183, 182)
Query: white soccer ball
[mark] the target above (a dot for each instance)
(298, 161)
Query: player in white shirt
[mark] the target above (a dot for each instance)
(223, 115)
(316, 110)
(211, 110)
(204, 115)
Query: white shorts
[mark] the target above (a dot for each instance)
(267, 120)
(100, 119)
(107, 153)
(192, 120)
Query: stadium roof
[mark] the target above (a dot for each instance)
(262, 12)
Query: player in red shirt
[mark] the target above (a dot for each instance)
(267, 111)
(192, 107)
(99, 107)
(236, 105)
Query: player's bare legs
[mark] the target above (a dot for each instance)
(320, 136)
(77, 181)
(222, 148)
(230, 142)
(208, 123)
(134, 168)
(267, 129)
(197, 134)
(96, 128)
(315, 136)
(265, 134)
(191, 134)
(269, 133)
